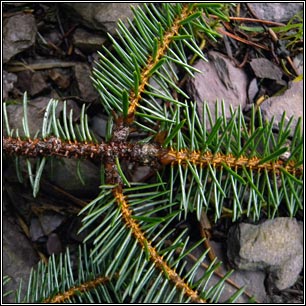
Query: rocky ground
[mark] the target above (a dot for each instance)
(49, 51)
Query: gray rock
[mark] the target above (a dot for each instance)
(100, 16)
(50, 221)
(53, 37)
(253, 281)
(84, 84)
(276, 11)
(291, 102)
(63, 173)
(14, 192)
(140, 173)
(35, 114)
(299, 62)
(74, 228)
(265, 69)
(287, 276)
(19, 33)
(220, 80)
(36, 231)
(61, 77)
(8, 81)
(252, 90)
(86, 41)
(54, 245)
(32, 82)
(275, 246)
(38, 84)
(36, 108)
(18, 257)
(98, 124)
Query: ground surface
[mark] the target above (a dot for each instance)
(56, 63)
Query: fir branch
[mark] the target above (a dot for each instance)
(197, 168)
(149, 50)
(58, 281)
(125, 238)
(142, 153)
(154, 256)
(219, 160)
(194, 151)
(67, 295)
(155, 61)
(146, 154)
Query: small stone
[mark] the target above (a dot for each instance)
(140, 173)
(299, 63)
(253, 281)
(265, 69)
(283, 277)
(54, 245)
(279, 12)
(252, 90)
(291, 102)
(50, 221)
(84, 84)
(100, 16)
(219, 80)
(19, 33)
(61, 77)
(275, 246)
(36, 230)
(36, 109)
(38, 84)
(98, 124)
(65, 175)
(8, 81)
(53, 37)
(15, 115)
(75, 227)
(18, 257)
(87, 41)
(32, 82)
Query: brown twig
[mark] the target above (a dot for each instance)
(291, 63)
(245, 59)
(205, 228)
(245, 41)
(19, 66)
(66, 194)
(272, 23)
(83, 287)
(273, 35)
